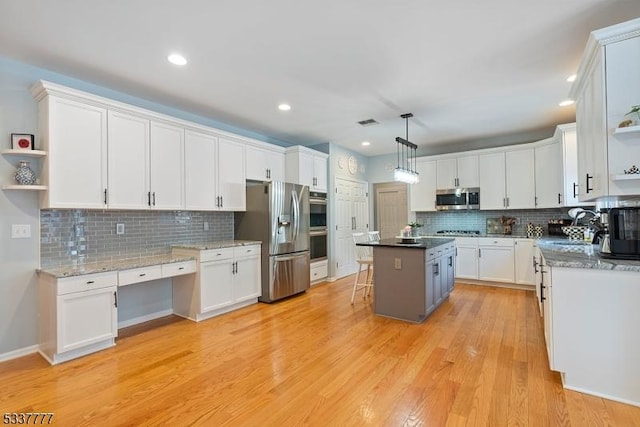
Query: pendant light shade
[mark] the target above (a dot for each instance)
(406, 153)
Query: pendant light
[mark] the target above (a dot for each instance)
(406, 153)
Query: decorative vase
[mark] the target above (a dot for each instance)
(24, 175)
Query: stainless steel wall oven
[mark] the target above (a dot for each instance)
(318, 225)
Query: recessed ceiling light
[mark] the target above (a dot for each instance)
(177, 59)
(572, 78)
(566, 102)
(366, 143)
(284, 107)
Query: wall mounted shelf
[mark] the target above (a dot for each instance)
(30, 153)
(625, 177)
(628, 130)
(24, 187)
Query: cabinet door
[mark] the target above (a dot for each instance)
(549, 175)
(247, 279)
(276, 166)
(167, 166)
(86, 318)
(257, 163)
(433, 281)
(305, 171)
(495, 264)
(547, 312)
(231, 175)
(523, 252)
(570, 167)
(438, 280)
(423, 194)
(520, 181)
(200, 171)
(447, 173)
(492, 181)
(77, 154)
(216, 285)
(128, 163)
(467, 262)
(468, 172)
(320, 173)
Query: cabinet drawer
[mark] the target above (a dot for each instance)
(178, 268)
(137, 275)
(471, 242)
(216, 254)
(245, 251)
(319, 271)
(497, 241)
(87, 282)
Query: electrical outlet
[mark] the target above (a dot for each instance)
(20, 231)
(205, 226)
(119, 228)
(398, 263)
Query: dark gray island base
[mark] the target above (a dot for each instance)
(412, 280)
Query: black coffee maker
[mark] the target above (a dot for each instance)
(624, 232)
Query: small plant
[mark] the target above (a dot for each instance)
(635, 109)
(414, 225)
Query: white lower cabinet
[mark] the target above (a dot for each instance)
(467, 258)
(495, 259)
(225, 279)
(523, 253)
(78, 315)
(319, 271)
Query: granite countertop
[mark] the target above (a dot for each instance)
(217, 245)
(112, 265)
(421, 243)
(576, 254)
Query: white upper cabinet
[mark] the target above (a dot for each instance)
(200, 171)
(507, 180)
(491, 168)
(265, 164)
(167, 166)
(423, 194)
(548, 172)
(231, 175)
(128, 163)
(566, 135)
(214, 173)
(606, 89)
(457, 172)
(74, 135)
(307, 167)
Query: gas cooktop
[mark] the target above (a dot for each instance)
(459, 232)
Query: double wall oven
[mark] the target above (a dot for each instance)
(318, 225)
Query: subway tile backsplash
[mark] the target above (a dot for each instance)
(71, 237)
(477, 220)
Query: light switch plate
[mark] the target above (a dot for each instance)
(398, 263)
(205, 226)
(119, 228)
(20, 231)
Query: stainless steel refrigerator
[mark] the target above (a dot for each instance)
(278, 215)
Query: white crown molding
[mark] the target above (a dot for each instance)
(303, 149)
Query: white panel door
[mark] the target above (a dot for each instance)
(495, 264)
(128, 162)
(216, 285)
(423, 194)
(467, 262)
(257, 163)
(492, 181)
(246, 281)
(276, 166)
(344, 254)
(231, 175)
(167, 166)
(320, 173)
(523, 253)
(77, 155)
(360, 203)
(549, 175)
(200, 171)
(306, 171)
(391, 209)
(520, 180)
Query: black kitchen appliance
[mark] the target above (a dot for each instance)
(624, 232)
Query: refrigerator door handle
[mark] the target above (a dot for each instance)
(295, 205)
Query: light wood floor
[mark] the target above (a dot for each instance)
(317, 360)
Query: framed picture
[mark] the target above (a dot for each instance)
(22, 141)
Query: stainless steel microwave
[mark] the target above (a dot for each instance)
(458, 199)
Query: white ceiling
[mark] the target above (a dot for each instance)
(468, 70)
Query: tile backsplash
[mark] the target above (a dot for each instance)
(70, 237)
(477, 220)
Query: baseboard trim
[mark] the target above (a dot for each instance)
(145, 318)
(14, 354)
(497, 284)
(602, 395)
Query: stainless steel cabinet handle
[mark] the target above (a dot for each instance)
(479, 253)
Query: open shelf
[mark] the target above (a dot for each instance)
(627, 130)
(625, 177)
(30, 153)
(24, 187)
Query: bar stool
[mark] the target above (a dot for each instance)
(364, 256)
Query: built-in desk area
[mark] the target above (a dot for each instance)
(412, 279)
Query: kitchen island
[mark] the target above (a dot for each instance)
(412, 279)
